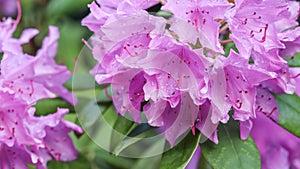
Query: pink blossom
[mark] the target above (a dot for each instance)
(102, 9)
(34, 137)
(290, 17)
(252, 25)
(24, 79)
(14, 157)
(279, 148)
(291, 40)
(177, 75)
(8, 8)
(30, 77)
(197, 18)
(6, 31)
(242, 80)
(265, 103)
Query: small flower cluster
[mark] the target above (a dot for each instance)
(175, 70)
(25, 79)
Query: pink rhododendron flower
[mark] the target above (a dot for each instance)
(290, 17)
(178, 77)
(242, 80)
(291, 39)
(155, 82)
(279, 148)
(33, 78)
(6, 31)
(265, 103)
(102, 9)
(295, 73)
(197, 18)
(24, 79)
(252, 25)
(14, 157)
(22, 132)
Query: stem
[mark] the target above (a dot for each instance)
(86, 44)
(226, 41)
(19, 13)
(18, 19)
(106, 92)
(75, 65)
(223, 28)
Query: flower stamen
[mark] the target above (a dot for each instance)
(87, 44)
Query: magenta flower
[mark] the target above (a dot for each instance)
(8, 8)
(164, 84)
(241, 80)
(252, 25)
(291, 40)
(204, 121)
(265, 103)
(295, 74)
(216, 107)
(197, 18)
(289, 19)
(6, 31)
(24, 79)
(12, 128)
(193, 163)
(102, 9)
(8, 25)
(13, 157)
(33, 78)
(51, 137)
(279, 148)
(285, 82)
(174, 71)
(35, 138)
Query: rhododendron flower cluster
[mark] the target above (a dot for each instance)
(25, 79)
(175, 70)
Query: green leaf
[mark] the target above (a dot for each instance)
(228, 47)
(148, 163)
(180, 155)
(203, 164)
(119, 124)
(164, 14)
(48, 106)
(289, 112)
(231, 152)
(31, 166)
(124, 143)
(102, 157)
(80, 163)
(81, 82)
(63, 7)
